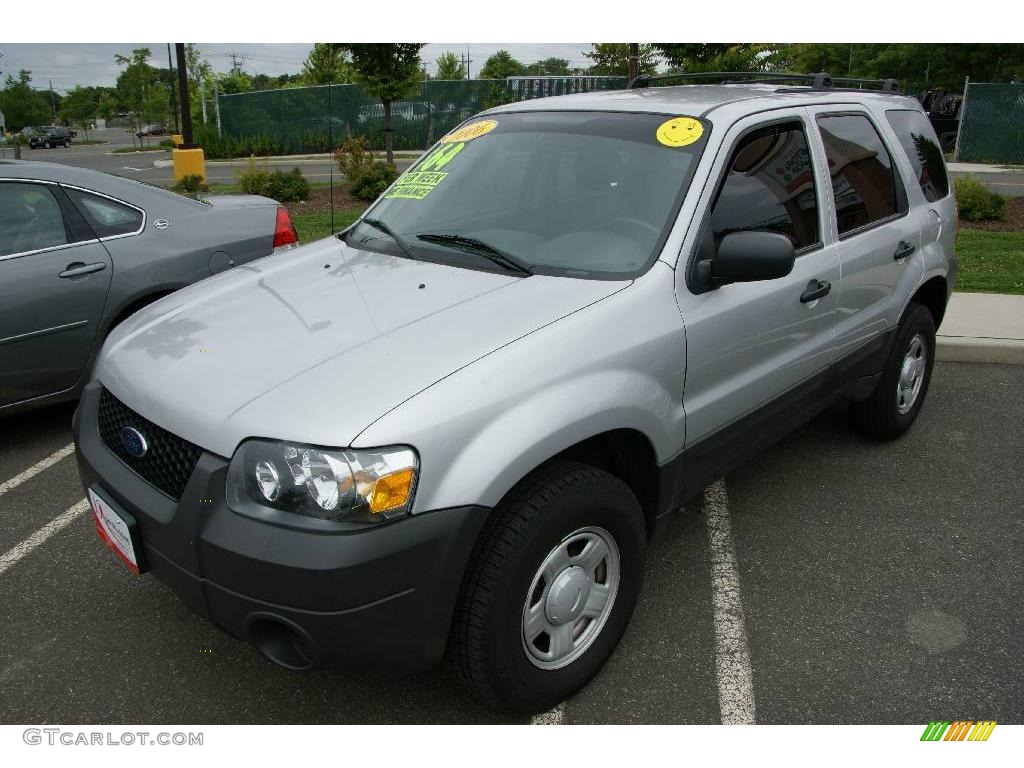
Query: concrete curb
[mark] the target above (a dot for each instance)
(968, 349)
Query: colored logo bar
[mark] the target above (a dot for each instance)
(958, 730)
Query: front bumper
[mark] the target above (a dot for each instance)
(383, 595)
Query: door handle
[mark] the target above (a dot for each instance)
(815, 290)
(77, 268)
(903, 250)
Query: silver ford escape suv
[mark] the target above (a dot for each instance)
(451, 429)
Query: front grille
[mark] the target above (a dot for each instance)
(168, 461)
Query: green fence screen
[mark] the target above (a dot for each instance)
(993, 124)
(296, 120)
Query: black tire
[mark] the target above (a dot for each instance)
(487, 650)
(879, 415)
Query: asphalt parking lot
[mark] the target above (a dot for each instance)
(880, 583)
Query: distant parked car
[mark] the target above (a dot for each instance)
(153, 129)
(80, 251)
(50, 136)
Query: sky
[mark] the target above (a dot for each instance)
(93, 63)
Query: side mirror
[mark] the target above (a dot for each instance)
(748, 256)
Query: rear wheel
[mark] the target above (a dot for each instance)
(551, 588)
(900, 393)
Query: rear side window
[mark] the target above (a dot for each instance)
(863, 178)
(107, 217)
(917, 137)
(30, 219)
(770, 187)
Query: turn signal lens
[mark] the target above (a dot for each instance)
(391, 491)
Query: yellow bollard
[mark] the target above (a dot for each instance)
(188, 162)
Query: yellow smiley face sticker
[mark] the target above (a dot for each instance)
(679, 131)
(470, 132)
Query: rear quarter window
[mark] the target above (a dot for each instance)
(917, 137)
(108, 218)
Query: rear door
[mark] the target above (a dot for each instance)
(757, 352)
(54, 279)
(878, 233)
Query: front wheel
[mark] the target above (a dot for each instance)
(550, 589)
(896, 401)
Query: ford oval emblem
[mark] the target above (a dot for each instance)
(134, 442)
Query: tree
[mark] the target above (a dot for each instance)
(388, 71)
(550, 66)
(326, 64)
(200, 80)
(612, 59)
(139, 86)
(450, 67)
(721, 57)
(501, 65)
(80, 107)
(21, 104)
(235, 81)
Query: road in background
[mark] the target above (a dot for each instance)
(140, 165)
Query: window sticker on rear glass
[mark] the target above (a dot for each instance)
(415, 185)
(470, 132)
(679, 131)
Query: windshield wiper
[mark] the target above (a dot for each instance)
(499, 257)
(380, 225)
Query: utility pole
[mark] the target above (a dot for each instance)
(186, 110)
(53, 105)
(202, 97)
(174, 101)
(216, 104)
(468, 61)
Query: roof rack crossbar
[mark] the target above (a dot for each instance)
(819, 80)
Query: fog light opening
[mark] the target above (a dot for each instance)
(283, 643)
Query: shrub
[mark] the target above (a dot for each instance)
(190, 184)
(977, 203)
(365, 177)
(252, 180)
(283, 186)
(287, 187)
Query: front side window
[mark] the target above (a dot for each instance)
(917, 137)
(30, 218)
(106, 217)
(584, 194)
(863, 178)
(769, 187)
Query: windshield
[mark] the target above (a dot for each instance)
(587, 194)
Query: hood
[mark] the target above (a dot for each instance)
(314, 344)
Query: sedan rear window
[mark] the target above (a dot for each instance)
(107, 217)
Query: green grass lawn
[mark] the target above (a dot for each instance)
(313, 226)
(991, 262)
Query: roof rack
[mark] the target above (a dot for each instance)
(820, 81)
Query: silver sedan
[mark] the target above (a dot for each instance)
(81, 250)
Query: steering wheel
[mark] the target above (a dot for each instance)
(645, 229)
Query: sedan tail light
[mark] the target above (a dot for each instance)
(285, 235)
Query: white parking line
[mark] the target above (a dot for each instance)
(36, 468)
(732, 656)
(551, 717)
(9, 558)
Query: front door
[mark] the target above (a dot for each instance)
(54, 278)
(758, 351)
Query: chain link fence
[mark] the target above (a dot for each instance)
(314, 119)
(992, 124)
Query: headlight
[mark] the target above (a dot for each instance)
(269, 477)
